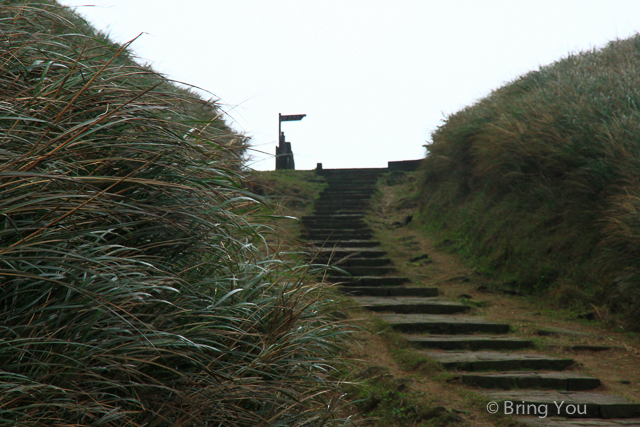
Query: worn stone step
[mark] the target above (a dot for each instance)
(369, 280)
(318, 238)
(343, 195)
(577, 422)
(338, 175)
(336, 217)
(563, 381)
(389, 291)
(339, 253)
(468, 342)
(335, 200)
(496, 361)
(347, 191)
(345, 243)
(336, 234)
(342, 225)
(365, 271)
(570, 404)
(324, 234)
(339, 172)
(334, 205)
(364, 262)
(338, 204)
(354, 178)
(407, 305)
(339, 211)
(443, 324)
(323, 227)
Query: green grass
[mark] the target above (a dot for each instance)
(296, 190)
(137, 287)
(539, 183)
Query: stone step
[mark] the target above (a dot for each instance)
(345, 243)
(570, 404)
(338, 175)
(364, 262)
(468, 342)
(336, 226)
(496, 361)
(343, 233)
(442, 324)
(389, 291)
(341, 225)
(339, 253)
(339, 211)
(345, 200)
(408, 305)
(342, 203)
(329, 211)
(564, 381)
(327, 233)
(311, 235)
(336, 217)
(363, 186)
(365, 271)
(342, 195)
(577, 422)
(352, 174)
(331, 173)
(347, 191)
(369, 280)
(354, 177)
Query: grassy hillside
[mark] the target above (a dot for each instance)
(137, 288)
(540, 181)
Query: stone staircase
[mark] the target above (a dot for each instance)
(537, 389)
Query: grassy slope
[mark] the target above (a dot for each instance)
(540, 181)
(137, 288)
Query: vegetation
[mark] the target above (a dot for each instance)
(137, 289)
(296, 190)
(540, 181)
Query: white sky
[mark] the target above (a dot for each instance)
(375, 77)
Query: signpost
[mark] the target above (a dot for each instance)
(284, 155)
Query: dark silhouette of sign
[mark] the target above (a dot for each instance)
(284, 155)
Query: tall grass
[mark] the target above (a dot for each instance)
(540, 181)
(136, 288)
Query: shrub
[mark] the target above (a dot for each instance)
(543, 175)
(136, 289)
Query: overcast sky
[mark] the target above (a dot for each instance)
(374, 77)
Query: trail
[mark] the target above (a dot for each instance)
(513, 378)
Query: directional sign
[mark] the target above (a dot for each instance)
(291, 118)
